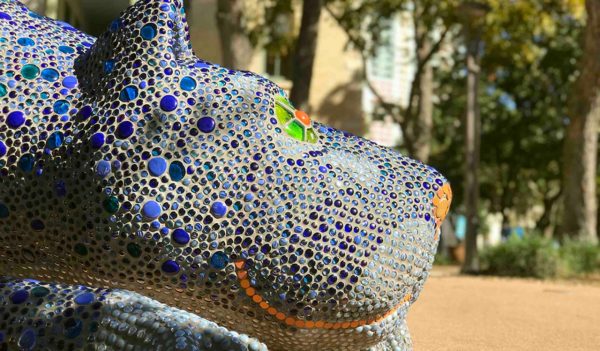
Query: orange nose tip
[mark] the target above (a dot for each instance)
(303, 117)
(441, 202)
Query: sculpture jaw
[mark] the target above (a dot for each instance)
(293, 321)
(380, 335)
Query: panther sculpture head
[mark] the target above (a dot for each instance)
(126, 162)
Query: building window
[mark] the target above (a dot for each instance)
(279, 47)
(279, 65)
(382, 63)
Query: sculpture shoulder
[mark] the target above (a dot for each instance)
(29, 38)
(38, 85)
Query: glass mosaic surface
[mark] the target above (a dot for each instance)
(152, 200)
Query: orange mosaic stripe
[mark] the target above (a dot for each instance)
(242, 276)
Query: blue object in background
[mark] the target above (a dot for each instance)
(519, 231)
(461, 227)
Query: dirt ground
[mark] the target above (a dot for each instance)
(486, 313)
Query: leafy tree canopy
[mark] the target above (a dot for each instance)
(529, 62)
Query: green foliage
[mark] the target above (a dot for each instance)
(278, 28)
(366, 20)
(270, 24)
(579, 257)
(538, 257)
(532, 256)
(529, 62)
(443, 260)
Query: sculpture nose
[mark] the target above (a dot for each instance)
(441, 203)
(356, 248)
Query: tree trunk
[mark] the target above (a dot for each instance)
(544, 222)
(418, 115)
(581, 138)
(236, 48)
(37, 6)
(423, 123)
(304, 56)
(472, 145)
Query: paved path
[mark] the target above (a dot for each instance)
(488, 313)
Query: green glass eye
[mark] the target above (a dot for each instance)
(295, 123)
(295, 130)
(311, 136)
(283, 116)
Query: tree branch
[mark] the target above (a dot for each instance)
(435, 47)
(421, 62)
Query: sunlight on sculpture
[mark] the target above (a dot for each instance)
(152, 200)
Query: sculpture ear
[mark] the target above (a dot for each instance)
(148, 32)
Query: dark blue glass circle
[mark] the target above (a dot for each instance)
(85, 112)
(19, 296)
(4, 212)
(177, 171)
(55, 140)
(15, 119)
(180, 236)
(206, 124)
(38, 224)
(97, 140)
(66, 49)
(61, 107)
(109, 65)
(50, 74)
(168, 103)
(26, 42)
(26, 163)
(125, 130)
(73, 328)
(219, 260)
(148, 31)
(128, 94)
(27, 339)
(170, 267)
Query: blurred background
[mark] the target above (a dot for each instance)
(499, 95)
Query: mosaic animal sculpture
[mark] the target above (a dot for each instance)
(150, 200)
